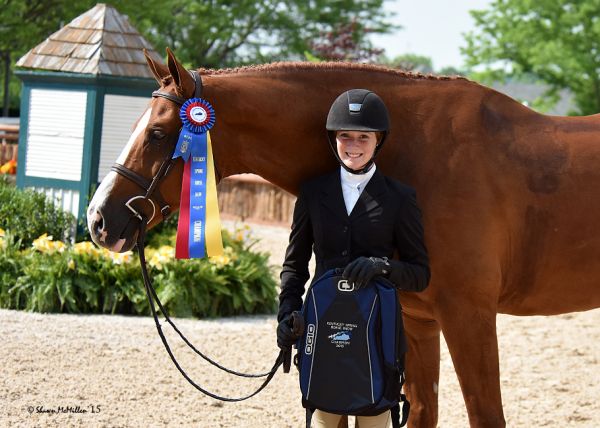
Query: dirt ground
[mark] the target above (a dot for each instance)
(112, 371)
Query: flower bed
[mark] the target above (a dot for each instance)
(54, 276)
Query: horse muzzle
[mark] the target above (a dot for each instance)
(116, 238)
(115, 226)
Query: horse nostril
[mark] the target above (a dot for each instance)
(98, 225)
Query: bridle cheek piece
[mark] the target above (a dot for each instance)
(151, 186)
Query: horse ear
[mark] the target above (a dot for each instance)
(182, 78)
(159, 70)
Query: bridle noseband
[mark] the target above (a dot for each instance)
(151, 186)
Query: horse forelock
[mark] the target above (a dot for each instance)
(329, 66)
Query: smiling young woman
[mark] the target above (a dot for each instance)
(355, 219)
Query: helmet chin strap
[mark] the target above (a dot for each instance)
(361, 171)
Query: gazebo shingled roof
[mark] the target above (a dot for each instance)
(100, 41)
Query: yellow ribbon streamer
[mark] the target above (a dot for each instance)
(214, 240)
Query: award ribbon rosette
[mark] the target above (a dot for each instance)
(199, 226)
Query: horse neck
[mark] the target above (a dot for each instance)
(270, 124)
(271, 121)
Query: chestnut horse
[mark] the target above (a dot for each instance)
(509, 197)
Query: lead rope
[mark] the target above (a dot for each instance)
(151, 295)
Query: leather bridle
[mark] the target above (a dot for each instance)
(151, 186)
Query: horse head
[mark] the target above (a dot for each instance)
(144, 184)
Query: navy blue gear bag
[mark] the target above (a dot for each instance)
(351, 355)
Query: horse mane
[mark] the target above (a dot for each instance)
(333, 66)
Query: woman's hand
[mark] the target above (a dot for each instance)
(362, 270)
(289, 329)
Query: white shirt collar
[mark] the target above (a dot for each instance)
(355, 180)
(353, 186)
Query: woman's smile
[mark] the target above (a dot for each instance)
(353, 155)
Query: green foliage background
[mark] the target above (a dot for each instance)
(554, 41)
(210, 34)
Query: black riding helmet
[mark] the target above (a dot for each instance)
(357, 110)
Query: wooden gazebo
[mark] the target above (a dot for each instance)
(83, 89)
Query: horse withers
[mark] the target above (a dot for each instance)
(507, 195)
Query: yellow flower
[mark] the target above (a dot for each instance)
(120, 258)
(242, 233)
(220, 261)
(41, 243)
(58, 246)
(167, 251)
(45, 244)
(229, 251)
(71, 264)
(2, 233)
(85, 247)
(158, 258)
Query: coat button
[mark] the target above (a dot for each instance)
(345, 229)
(345, 253)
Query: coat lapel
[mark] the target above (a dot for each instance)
(370, 198)
(333, 198)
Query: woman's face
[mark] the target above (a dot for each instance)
(356, 148)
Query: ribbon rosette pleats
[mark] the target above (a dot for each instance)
(199, 227)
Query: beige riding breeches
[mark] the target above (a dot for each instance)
(330, 420)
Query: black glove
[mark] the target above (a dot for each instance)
(362, 270)
(287, 333)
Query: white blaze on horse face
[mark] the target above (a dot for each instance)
(141, 125)
(105, 188)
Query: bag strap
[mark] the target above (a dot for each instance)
(309, 414)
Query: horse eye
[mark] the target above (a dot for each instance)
(158, 135)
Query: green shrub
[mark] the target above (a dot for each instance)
(10, 267)
(51, 276)
(239, 282)
(28, 214)
(164, 233)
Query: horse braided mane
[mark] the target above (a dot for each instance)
(333, 66)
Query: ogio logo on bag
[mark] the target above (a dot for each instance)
(344, 285)
(310, 339)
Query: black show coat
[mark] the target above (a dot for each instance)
(385, 222)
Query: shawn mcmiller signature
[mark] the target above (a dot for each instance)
(64, 409)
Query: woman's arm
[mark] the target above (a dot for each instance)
(411, 272)
(297, 256)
